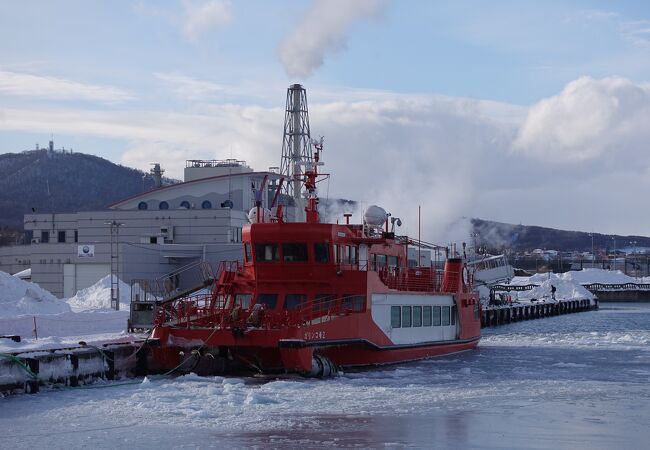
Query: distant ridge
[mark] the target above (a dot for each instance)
(497, 236)
(54, 181)
(57, 181)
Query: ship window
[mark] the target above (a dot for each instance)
(392, 261)
(445, 316)
(353, 302)
(243, 300)
(337, 254)
(268, 300)
(395, 316)
(61, 236)
(247, 252)
(406, 316)
(417, 316)
(453, 315)
(476, 311)
(436, 316)
(294, 252)
(163, 205)
(294, 301)
(380, 261)
(345, 254)
(321, 252)
(45, 237)
(142, 206)
(185, 204)
(206, 204)
(324, 302)
(426, 316)
(267, 252)
(353, 255)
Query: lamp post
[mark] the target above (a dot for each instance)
(593, 256)
(115, 263)
(634, 256)
(614, 239)
(475, 236)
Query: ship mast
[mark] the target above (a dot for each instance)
(296, 145)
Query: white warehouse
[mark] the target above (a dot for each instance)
(155, 232)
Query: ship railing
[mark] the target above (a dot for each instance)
(415, 279)
(225, 313)
(207, 307)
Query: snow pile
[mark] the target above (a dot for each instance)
(584, 276)
(565, 290)
(98, 296)
(18, 297)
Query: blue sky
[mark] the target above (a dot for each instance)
(143, 81)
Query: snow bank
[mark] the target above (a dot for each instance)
(584, 276)
(18, 297)
(565, 290)
(98, 297)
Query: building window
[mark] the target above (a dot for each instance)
(267, 252)
(294, 301)
(417, 316)
(153, 239)
(76, 235)
(321, 252)
(163, 205)
(185, 204)
(206, 204)
(353, 302)
(406, 316)
(436, 316)
(445, 316)
(142, 206)
(426, 316)
(294, 252)
(247, 252)
(61, 236)
(45, 237)
(395, 316)
(268, 300)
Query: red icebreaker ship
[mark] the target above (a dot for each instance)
(312, 297)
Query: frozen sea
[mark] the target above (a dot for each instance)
(578, 381)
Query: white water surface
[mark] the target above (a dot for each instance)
(578, 381)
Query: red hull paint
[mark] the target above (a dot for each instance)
(304, 295)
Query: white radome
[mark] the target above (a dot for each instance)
(375, 215)
(252, 215)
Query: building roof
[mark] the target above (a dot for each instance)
(271, 175)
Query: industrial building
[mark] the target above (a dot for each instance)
(153, 233)
(157, 232)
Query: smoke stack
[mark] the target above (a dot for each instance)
(156, 172)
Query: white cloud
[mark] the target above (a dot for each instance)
(44, 87)
(322, 30)
(452, 156)
(189, 88)
(637, 32)
(202, 15)
(588, 118)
